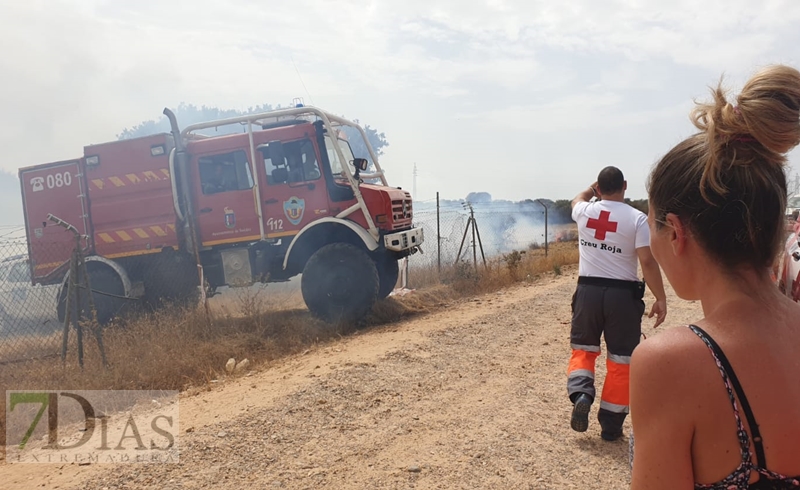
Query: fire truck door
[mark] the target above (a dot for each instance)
(58, 189)
(293, 190)
(225, 207)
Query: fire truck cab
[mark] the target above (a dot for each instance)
(164, 214)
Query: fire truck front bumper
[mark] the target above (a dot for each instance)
(404, 240)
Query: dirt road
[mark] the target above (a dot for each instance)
(470, 397)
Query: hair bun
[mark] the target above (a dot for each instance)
(769, 105)
(766, 121)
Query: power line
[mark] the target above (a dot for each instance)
(301, 79)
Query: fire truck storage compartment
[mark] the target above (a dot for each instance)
(58, 189)
(130, 192)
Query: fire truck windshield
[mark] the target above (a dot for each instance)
(333, 156)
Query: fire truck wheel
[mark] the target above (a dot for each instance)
(388, 271)
(340, 283)
(173, 280)
(104, 280)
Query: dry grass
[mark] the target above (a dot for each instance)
(176, 350)
(499, 272)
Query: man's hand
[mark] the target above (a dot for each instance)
(595, 189)
(659, 310)
(652, 277)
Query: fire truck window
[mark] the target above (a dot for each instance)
(336, 166)
(225, 172)
(300, 164)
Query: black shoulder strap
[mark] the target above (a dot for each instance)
(748, 413)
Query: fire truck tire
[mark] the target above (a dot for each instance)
(388, 272)
(173, 281)
(108, 305)
(340, 283)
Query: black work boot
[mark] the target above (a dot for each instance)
(611, 436)
(580, 413)
(610, 424)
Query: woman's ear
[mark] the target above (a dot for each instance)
(677, 233)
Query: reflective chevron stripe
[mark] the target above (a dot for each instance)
(115, 181)
(127, 235)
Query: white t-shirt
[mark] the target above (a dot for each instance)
(609, 233)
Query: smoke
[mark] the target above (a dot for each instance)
(501, 226)
(10, 200)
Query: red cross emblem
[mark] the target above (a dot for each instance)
(602, 226)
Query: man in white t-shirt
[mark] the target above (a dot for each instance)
(608, 300)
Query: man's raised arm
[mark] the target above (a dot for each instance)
(586, 195)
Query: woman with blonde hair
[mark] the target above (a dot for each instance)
(716, 404)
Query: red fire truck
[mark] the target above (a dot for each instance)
(169, 216)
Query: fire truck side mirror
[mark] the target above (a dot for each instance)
(275, 150)
(360, 163)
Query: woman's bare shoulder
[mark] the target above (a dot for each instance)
(675, 355)
(671, 340)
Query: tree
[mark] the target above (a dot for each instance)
(190, 114)
(641, 204)
(376, 140)
(563, 209)
(479, 197)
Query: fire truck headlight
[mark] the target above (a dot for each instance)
(156, 150)
(93, 160)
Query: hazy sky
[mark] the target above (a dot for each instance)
(521, 99)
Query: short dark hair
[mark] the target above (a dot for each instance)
(610, 180)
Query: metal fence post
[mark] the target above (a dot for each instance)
(438, 238)
(545, 225)
(74, 307)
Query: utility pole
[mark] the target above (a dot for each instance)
(415, 181)
(796, 186)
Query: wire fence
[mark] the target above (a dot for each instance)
(469, 233)
(31, 327)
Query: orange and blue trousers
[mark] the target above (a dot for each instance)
(613, 310)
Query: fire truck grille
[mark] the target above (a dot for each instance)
(402, 212)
